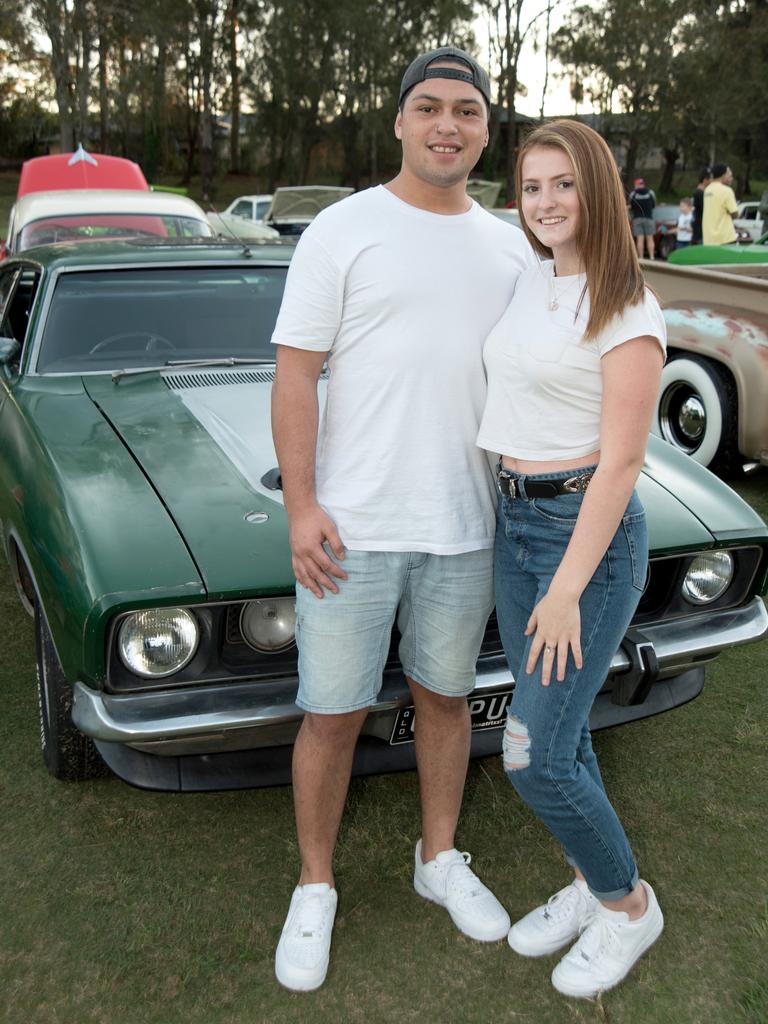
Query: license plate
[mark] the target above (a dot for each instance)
(488, 711)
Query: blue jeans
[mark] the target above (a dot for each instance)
(548, 752)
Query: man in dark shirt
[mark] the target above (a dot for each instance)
(705, 178)
(642, 201)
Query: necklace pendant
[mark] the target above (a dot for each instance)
(554, 305)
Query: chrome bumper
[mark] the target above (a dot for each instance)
(246, 715)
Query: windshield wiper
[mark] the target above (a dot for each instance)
(117, 375)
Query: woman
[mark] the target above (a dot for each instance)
(573, 372)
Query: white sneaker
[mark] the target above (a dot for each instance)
(556, 923)
(448, 881)
(301, 961)
(609, 947)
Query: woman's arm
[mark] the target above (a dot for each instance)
(631, 376)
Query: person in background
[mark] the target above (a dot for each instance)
(574, 366)
(642, 202)
(396, 288)
(705, 177)
(683, 230)
(720, 208)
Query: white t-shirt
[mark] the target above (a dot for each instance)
(403, 300)
(685, 227)
(545, 384)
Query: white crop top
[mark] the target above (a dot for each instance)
(545, 384)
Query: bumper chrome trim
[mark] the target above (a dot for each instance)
(167, 717)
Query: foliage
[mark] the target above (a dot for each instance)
(675, 69)
(317, 80)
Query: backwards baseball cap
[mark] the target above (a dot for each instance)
(421, 69)
(639, 182)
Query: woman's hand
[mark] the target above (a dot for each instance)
(555, 624)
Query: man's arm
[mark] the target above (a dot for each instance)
(294, 428)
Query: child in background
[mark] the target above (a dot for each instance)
(684, 229)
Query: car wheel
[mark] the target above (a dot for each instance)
(697, 411)
(68, 754)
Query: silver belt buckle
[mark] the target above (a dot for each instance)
(511, 485)
(577, 484)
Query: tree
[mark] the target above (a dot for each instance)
(508, 31)
(55, 19)
(623, 51)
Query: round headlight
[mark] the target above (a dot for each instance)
(157, 642)
(708, 577)
(269, 625)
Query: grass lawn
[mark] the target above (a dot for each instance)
(118, 905)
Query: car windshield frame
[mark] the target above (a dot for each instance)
(162, 313)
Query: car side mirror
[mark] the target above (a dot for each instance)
(9, 350)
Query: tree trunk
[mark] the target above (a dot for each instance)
(103, 89)
(83, 34)
(54, 20)
(122, 93)
(206, 27)
(234, 74)
(633, 149)
(671, 156)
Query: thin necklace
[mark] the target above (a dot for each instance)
(553, 303)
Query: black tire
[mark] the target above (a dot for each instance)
(697, 411)
(68, 754)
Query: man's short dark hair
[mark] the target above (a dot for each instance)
(704, 173)
(718, 170)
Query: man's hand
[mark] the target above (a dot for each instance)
(313, 568)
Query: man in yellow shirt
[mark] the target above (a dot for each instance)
(719, 208)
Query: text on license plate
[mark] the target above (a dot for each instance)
(488, 711)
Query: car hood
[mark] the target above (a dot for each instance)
(203, 440)
(717, 508)
(304, 202)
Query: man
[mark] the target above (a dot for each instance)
(642, 201)
(719, 208)
(705, 177)
(391, 507)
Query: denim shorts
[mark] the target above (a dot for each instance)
(441, 604)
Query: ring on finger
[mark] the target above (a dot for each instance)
(548, 649)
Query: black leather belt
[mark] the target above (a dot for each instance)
(543, 488)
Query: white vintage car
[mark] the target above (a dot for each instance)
(40, 218)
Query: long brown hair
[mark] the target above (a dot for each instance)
(604, 239)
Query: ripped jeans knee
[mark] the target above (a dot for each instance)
(516, 745)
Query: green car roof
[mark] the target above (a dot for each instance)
(62, 255)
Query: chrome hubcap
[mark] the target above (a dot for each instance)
(692, 418)
(682, 417)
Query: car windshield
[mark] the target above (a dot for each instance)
(124, 225)
(121, 319)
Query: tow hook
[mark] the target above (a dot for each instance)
(634, 685)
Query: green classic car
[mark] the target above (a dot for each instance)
(702, 255)
(142, 519)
